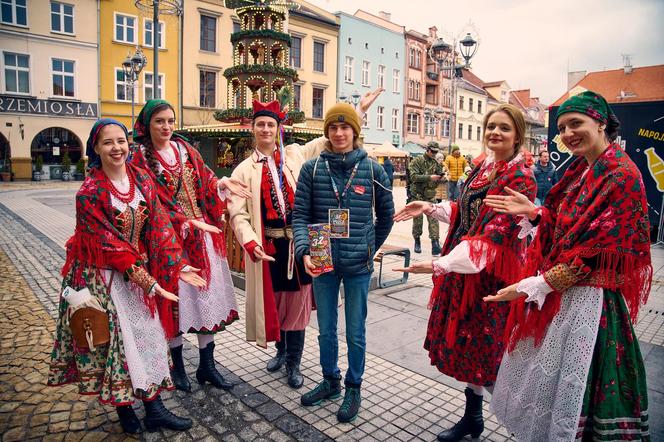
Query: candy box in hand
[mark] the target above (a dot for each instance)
(320, 249)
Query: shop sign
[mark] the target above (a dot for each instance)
(34, 106)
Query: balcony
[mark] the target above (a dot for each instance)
(432, 77)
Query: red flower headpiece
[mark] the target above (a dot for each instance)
(271, 109)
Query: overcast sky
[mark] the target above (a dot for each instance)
(533, 43)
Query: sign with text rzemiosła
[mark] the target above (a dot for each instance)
(34, 106)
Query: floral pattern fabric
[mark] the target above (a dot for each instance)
(465, 335)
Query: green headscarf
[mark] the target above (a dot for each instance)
(594, 105)
(142, 124)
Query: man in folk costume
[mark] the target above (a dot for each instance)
(279, 294)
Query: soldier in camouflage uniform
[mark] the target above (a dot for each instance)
(425, 174)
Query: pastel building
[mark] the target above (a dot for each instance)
(371, 55)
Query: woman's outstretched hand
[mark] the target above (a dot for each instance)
(411, 210)
(234, 186)
(416, 267)
(508, 293)
(514, 203)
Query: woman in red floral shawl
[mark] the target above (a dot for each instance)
(123, 252)
(195, 201)
(481, 254)
(574, 368)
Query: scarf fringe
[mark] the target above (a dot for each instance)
(627, 274)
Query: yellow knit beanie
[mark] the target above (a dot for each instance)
(342, 113)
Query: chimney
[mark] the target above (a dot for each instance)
(627, 62)
(385, 15)
(574, 77)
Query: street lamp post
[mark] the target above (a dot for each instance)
(353, 99)
(445, 56)
(132, 67)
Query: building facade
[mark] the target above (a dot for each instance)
(125, 30)
(371, 54)
(49, 76)
(207, 51)
(471, 105)
(313, 54)
(428, 92)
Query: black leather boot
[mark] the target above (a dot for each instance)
(178, 373)
(294, 347)
(128, 419)
(207, 372)
(435, 247)
(471, 423)
(418, 246)
(157, 416)
(279, 359)
(330, 388)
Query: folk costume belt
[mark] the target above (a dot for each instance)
(284, 232)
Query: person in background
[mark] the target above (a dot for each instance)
(389, 169)
(463, 178)
(546, 176)
(441, 189)
(455, 164)
(425, 174)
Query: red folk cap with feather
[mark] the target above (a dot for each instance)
(271, 109)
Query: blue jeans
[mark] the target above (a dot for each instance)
(356, 293)
(452, 190)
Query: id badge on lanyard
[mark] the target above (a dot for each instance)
(339, 218)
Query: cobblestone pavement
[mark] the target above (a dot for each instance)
(402, 400)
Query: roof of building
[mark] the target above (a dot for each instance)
(467, 85)
(642, 84)
(379, 21)
(469, 76)
(312, 12)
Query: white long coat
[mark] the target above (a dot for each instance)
(245, 218)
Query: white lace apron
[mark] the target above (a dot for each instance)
(539, 391)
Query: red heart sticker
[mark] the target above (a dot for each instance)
(359, 190)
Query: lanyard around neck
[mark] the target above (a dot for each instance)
(348, 183)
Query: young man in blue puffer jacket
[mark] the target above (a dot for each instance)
(362, 186)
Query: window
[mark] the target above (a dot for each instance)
(319, 56)
(317, 102)
(14, 12)
(461, 102)
(395, 119)
(411, 89)
(417, 90)
(148, 31)
(366, 73)
(63, 77)
(396, 81)
(297, 96)
(236, 26)
(445, 127)
(17, 73)
(413, 125)
(123, 90)
(380, 111)
(470, 104)
(479, 131)
(365, 120)
(415, 59)
(348, 70)
(296, 52)
(479, 107)
(446, 97)
(62, 18)
(429, 126)
(208, 87)
(460, 130)
(381, 76)
(209, 33)
(470, 131)
(125, 28)
(148, 87)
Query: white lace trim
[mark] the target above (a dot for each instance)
(526, 228)
(206, 308)
(441, 211)
(458, 261)
(536, 288)
(539, 391)
(144, 340)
